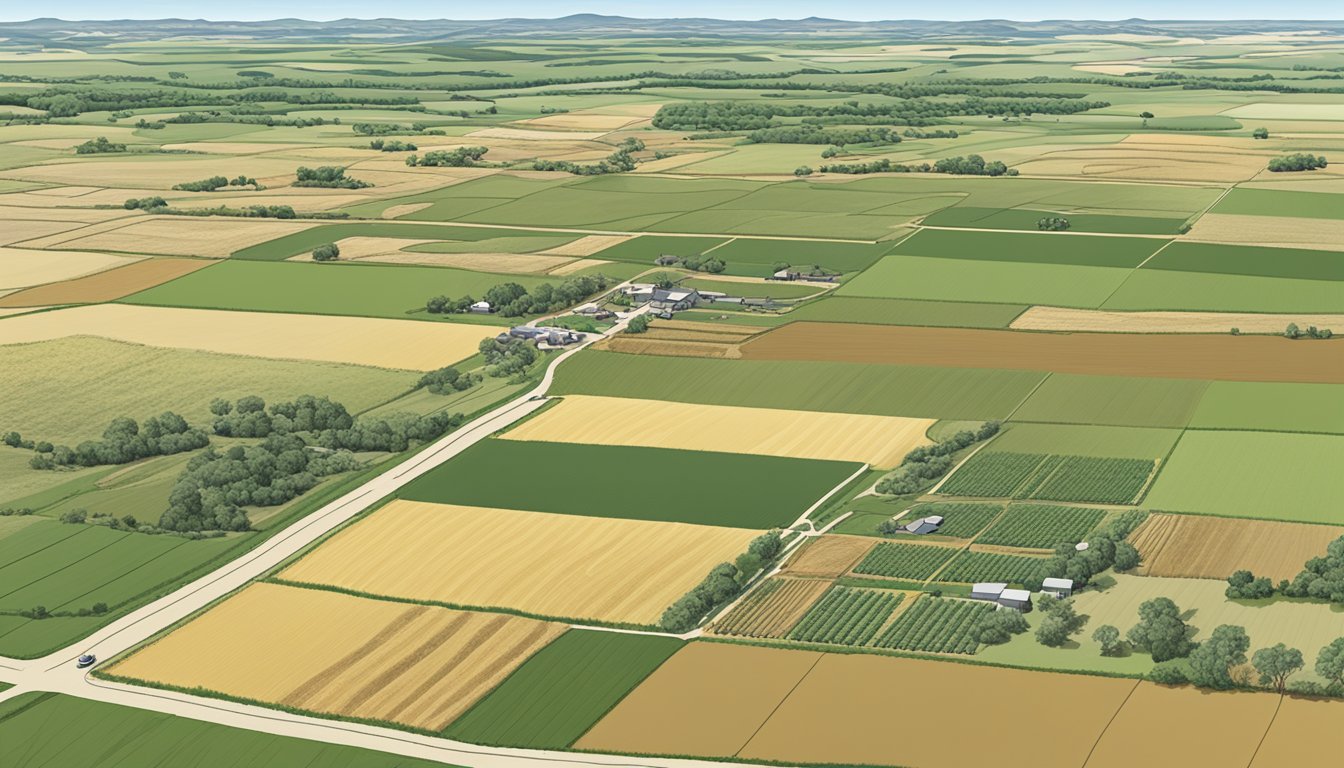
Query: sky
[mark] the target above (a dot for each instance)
(859, 10)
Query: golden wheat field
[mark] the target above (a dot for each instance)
(829, 556)
(185, 235)
(400, 344)
(155, 173)
(878, 440)
(602, 569)
(21, 268)
(327, 652)
(772, 609)
(1103, 321)
(1195, 546)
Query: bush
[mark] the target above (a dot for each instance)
(328, 176)
(1168, 673)
(447, 380)
(326, 252)
(998, 627)
(1108, 637)
(99, 146)
(74, 516)
(637, 324)
(1243, 585)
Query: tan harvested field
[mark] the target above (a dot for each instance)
(830, 556)
(107, 285)
(327, 652)
(366, 247)
(1275, 231)
(771, 610)
(669, 348)
(187, 236)
(1195, 546)
(587, 245)
(662, 331)
(722, 331)
(399, 344)
(587, 568)
(1146, 163)
(21, 268)
(1224, 358)
(1306, 626)
(707, 699)
(1304, 735)
(1103, 321)
(719, 699)
(507, 263)
(1161, 725)
(878, 440)
(576, 265)
(582, 121)
(157, 173)
(530, 134)
(16, 231)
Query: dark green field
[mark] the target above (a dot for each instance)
(300, 242)
(1027, 219)
(47, 730)
(1275, 202)
(558, 694)
(729, 489)
(1254, 261)
(1035, 248)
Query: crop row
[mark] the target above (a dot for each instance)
(847, 616)
(1041, 526)
(1050, 477)
(993, 474)
(769, 611)
(904, 561)
(960, 519)
(971, 567)
(939, 625)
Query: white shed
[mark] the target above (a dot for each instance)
(1057, 587)
(1019, 599)
(988, 590)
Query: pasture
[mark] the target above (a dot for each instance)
(723, 489)
(881, 441)
(595, 568)
(396, 648)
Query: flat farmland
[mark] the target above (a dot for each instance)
(557, 695)
(370, 290)
(181, 235)
(585, 568)
(1035, 248)
(20, 268)
(1002, 282)
(335, 654)
(881, 441)
(1244, 201)
(811, 708)
(1272, 407)
(1267, 475)
(828, 556)
(1084, 440)
(1233, 358)
(1273, 231)
(108, 285)
(183, 381)
(375, 342)
(1305, 626)
(1294, 737)
(1171, 290)
(1253, 261)
(772, 609)
(849, 309)
(1162, 725)
(727, 489)
(1115, 400)
(893, 390)
(1100, 321)
(1196, 546)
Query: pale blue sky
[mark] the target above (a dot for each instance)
(12, 10)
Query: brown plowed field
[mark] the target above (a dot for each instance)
(1295, 738)
(773, 609)
(105, 286)
(829, 556)
(1229, 358)
(1194, 546)
(342, 655)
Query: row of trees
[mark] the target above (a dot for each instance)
(125, 440)
(447, 380)
(970, 165)
(620, 161)
(328, 176)
(1312, 332)
(217, 182)
(1321, 578)
(514, 300)
(392, 145)
(461, 157)
(1107, 548)
(1053, 224)
(508, 357)
(724, 582)
(99, 146)
(816, 134)
(1300, 161)
(929, 462)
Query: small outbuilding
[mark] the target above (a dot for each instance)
(925, 525)
(1017, 599)
(1057, 587)
(481, 308)
(785, 274)
(666, 260)
(989, 590)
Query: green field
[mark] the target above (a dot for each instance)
(1275, 202)
(368, 290)
(558, 694)
(936, 625)
(1121, 401)
(1041, 526)
(1050, 477)
(1164, 289)
(904, 561)
(1003, 282)
(1026, 219)
(1079, 440)
(735, 490)
(774, 289)
(961, 520)
(950, 393)
(974, 567)
(1033, 248)
(847, 309)
(1271, 406)
(48, 730)
(647, 248)
(1270, 475)
(1251, 261)
(479, 237)
(846, 616)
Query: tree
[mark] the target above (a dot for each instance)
(1260, 133)
(998, 627)
(1212, 661)
(326, 252)
(1127, 556)
(1053, 224)
(1330, 663)
(1146, 115)
(1108, 637)
(1161, 632)
(638, 324)
(802, 170)
(1276, 664)
(1060, 623)
(1292, 331)
(1243, 585)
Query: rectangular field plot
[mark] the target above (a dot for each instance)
(961, 314)
(800, 385)
(1002, 282)
(1049, 477)
(586, 568)
(557, 695)
(1252, 261)
(1196, 546)
(1271, 407)
(1121, 401)
(905, 561)
(1083, 440)
(828, 556)
(973, 566)
(772, 609)
(961, 520)
(1275, 202)
(1163, 289)
(1026, 219)
(332, 653)
(878, 440)
(936, 625)
(837, 257)
(728, 489)
(644, 249)
(1268, 475)
(1041, 526)
(1034, 248)
(847, 616)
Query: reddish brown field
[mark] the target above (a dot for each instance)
(1229, 358)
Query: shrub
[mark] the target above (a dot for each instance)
(326, 252)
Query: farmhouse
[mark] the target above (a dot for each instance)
(925, 525)
(556, 337)
(1057, 587)
(675, 300)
